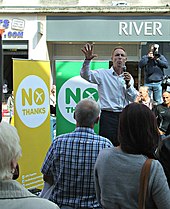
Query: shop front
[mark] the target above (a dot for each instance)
(22, 39)
(66, 35)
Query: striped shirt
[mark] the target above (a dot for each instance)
(70, 160)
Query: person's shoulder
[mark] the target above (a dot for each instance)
(104, 70)
(41, 203)
(144, 56)
(62, 137)
(107, 151)
(159, 106)
(161, 55)
(104, 140)
(156, 165)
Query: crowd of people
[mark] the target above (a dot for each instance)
(95, 171)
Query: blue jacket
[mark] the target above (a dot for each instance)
(154, 68)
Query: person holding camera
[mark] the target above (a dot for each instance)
(153, 64)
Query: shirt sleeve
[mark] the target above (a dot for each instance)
(160, 190)
(92, 76)
(162, 62)
(143, 61)
(47, 164)
(96, 182)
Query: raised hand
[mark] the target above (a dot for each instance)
(88, 51)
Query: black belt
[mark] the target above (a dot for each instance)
(108, 111)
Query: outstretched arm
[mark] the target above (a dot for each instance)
(85, 72)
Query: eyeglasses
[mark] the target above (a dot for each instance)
(122, 55)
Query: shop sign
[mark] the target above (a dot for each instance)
(14, 28)
(131, 28)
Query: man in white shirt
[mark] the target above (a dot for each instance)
(115, 87)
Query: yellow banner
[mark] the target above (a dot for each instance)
(32, 117)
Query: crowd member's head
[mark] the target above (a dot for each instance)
(138, 133)
(87, 113)
(119, 57)
(10, 150)
(166, 98)
(144, 93)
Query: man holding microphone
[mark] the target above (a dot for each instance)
(115, 87)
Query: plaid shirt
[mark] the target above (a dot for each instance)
(70, 160)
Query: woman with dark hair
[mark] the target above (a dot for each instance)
(118, 169)
(138, 132)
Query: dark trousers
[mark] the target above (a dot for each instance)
(108, 126)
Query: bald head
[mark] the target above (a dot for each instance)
(87, 113)
(166, 98)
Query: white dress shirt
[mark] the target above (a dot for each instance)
(113, 94)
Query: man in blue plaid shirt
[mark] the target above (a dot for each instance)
(70, 160)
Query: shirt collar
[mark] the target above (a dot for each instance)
(85, 129)
(13, 189)
(114, 73)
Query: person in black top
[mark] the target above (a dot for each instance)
(162, 113)
(163, 155)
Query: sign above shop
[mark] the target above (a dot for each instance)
(20, 27)
(108, 28)
(13, 28)
(144, 28)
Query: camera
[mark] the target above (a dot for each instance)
(155, 50)
(166, 82)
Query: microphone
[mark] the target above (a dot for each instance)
(124, 68)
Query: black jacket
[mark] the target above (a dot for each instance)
(163, 155)
(162, 113)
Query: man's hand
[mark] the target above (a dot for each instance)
(127, 78)
(150, 55)
(88, 51)
(161, 132)
(138, 99)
